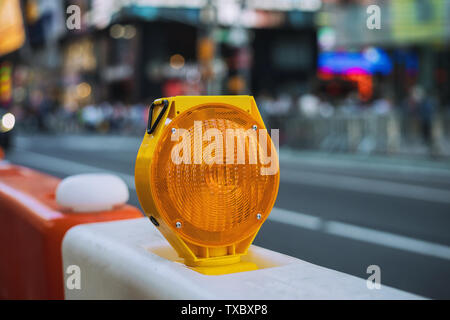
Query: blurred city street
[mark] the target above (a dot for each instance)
(341, 212)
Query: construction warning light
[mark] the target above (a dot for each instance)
(207, 175)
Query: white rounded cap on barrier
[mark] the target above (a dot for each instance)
(91, 192)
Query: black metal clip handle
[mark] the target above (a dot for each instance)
(150, 128)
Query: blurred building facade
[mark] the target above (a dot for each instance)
(414, 33)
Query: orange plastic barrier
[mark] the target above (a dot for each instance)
(32, 227)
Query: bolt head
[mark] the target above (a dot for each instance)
(255, 127)
(259, 216)
(174, 130)
(178, 224)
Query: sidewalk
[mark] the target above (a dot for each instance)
(405, 163)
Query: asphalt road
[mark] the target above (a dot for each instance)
(341, 212)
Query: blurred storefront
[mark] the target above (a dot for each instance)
(12, 37)
(135, 51)
(306, 61)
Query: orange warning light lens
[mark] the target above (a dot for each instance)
(208, 177)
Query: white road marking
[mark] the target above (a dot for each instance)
(387, 188)
(358, 233)
(292, 218)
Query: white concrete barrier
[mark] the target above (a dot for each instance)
(130, 259)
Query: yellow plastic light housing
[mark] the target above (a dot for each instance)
(202, 177)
